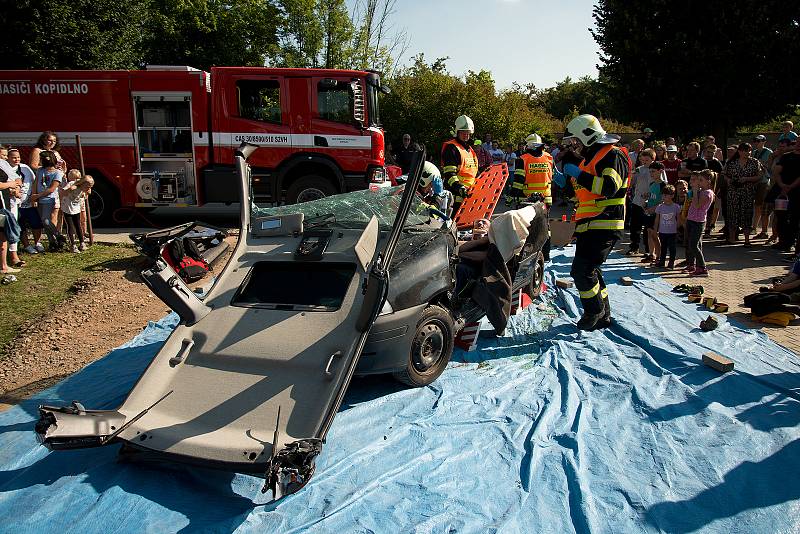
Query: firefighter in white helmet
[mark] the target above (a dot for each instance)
(431, 188)
(459, 161)
(534, 171)
(598, 175)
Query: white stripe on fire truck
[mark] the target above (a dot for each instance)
(68, 138)
(220, 139)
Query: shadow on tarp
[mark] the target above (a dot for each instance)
(748, 486)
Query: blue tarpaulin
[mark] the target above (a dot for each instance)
(542, 430)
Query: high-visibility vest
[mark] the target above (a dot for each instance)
(468, 169)
(590, 204)
(538, 175)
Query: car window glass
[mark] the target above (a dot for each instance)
(354, 210)
(259, 100)
(335, 103)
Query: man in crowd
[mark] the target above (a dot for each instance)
(600, 183)
(693, 162)
(648, 137)
(459, 162)
(405, 153)
(636, 148)
(786, 175)
(483, 154)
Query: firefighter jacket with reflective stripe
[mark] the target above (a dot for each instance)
(459, 164)
(534, 174)
(601, 188)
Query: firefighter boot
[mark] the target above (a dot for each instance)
(605, 320)
(590, 321)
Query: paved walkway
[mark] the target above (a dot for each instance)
(736, 271)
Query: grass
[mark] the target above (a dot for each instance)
(46, 281)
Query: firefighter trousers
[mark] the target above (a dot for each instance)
(591, 251)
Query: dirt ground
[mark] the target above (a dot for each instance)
(106, 310)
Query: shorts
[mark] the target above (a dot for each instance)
(29, 218)
(761, 192)
(650, 221)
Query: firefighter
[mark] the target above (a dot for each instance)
(599, 182)
(459, 162)
(534, 171)
(431, 189)
(533, 175)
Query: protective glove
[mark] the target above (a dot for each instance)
(570, 169)
(559, 179)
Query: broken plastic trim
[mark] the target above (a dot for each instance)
(291, 469)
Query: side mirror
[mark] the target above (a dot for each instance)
(384, 89)
(328, 83)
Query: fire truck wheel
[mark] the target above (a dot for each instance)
(311, 187)
(103, 202)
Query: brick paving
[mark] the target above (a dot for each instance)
(736, 271)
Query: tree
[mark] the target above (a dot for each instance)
(697, 67)
(374, 45)
(202, 33)
(72, 34)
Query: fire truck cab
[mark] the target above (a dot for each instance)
(165, 136)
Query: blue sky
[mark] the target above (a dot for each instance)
(517, 40)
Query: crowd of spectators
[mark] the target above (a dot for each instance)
(40, 197)
(680, 191)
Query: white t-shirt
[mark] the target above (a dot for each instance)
(28, 177)
(71, 203)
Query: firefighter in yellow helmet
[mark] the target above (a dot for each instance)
(598, 174)
(459, 162)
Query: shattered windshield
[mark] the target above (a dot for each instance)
(354, 210)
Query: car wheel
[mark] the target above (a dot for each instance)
(534, 287)
(103, 202)
(311, 187)
(431, 348)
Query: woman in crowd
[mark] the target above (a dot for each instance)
(48, 141)
(661, 152)
(48, 181)
(742, 173)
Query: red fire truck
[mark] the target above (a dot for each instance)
(165, 136)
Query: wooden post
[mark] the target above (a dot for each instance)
(85, 200)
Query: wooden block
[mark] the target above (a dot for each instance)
(626, 281)
(694, 298)
(720, 307)
(564, 284)
(709, 302)
(718, 362)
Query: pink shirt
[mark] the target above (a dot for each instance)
(698, 213)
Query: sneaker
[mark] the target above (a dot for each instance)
(647, 259)
(683, 264)
(631, 252)
(659, 264)
(699, 272)
(671, 265)
(30, 249)
(688, 269)
(39, 247)
(75, 249)
(82, 247)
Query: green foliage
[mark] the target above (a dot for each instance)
(698, 67)
(426, 99)
(202, 33)
(75, 34)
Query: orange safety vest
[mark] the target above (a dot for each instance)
(468, 169)
(591, 204)
(538, 175)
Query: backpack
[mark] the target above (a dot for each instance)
(187, 260)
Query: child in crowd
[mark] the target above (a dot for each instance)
(48, 179)
(667, 225)
(653, 200)
(640, 187)
(75, 192)
(27, 215)
(702, 199)
(682, 200)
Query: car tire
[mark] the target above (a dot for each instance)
(311, 187)
(103, 202)
(534, 287)
(431, 348)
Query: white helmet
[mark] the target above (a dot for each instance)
(464, 123)
(587, 130)
(429, 172)
(533, 141)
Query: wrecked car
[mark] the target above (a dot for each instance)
(252, 377)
